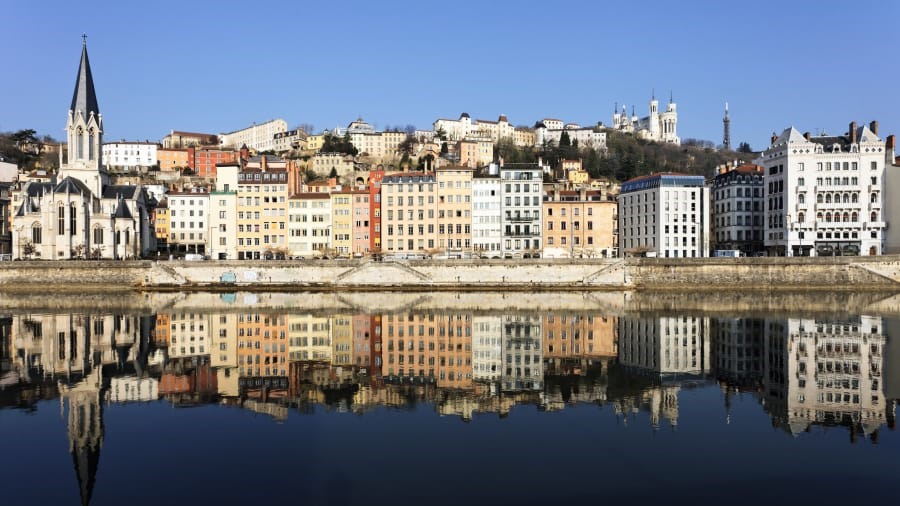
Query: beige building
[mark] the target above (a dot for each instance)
(579, 224)
(408, 219)
(309, 224)
(343, 165)
(309, 337)
(262, 211)
(379, 145)
(475, 153)
(184, 140)
(315, 142)
(223, 214)
(291, 139)
(223, 355)
(189, 335)
(454, 210)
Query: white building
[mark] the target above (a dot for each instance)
(487, 229)
(188, 221)
(523, 353)
(594, 138)
(825, 194)
(464, 127)
(665, 215)
(291, 139)
(309, 224)
(259, 137)
(656, 126)
(126, 155)
(521, 208)
(487, 349)
(673, 347)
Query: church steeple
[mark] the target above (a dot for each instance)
(84, 99)
(84, 129)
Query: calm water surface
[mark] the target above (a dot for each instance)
(241, 404)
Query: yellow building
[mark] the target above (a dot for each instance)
(309, 337)
(342, 340)
(161, 222)
(578, 177)
(342, 222)
(172, 159)
(454, 208)
(262, 344)
(579, 224)
(223, 356)
(314, 142)
(523, 137)
(262, 211)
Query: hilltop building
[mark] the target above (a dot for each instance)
(656, 126)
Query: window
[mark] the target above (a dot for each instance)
(36, 234)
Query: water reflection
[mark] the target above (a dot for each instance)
(803, 371)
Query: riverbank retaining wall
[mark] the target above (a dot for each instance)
(431, 275)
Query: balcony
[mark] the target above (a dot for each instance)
(519, 218)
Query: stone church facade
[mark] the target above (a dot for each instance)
(78, 213)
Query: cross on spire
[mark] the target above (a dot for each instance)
(84, 39)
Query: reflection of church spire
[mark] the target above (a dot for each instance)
(85, 428)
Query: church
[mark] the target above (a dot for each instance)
(656, 126)
(77, 213)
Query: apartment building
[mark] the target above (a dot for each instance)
(181, 140)
(223, 213)
(361, 227)
(172, 159)
(521, 208)
(188, 221)
(824, 194)
(409, 222)
(738, 208)
(475, 153)
(262, 212)
(309, 224)
(342, 222)
(203, 160)
(665, 215)
(579, 224)
(487, 214)
(454, 209)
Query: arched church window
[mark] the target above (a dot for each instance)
(98, 235)
(73, 223)
(61, 218)
(36, 233)
(91, 154)
(79, 145)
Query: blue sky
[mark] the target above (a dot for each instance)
(219, 66)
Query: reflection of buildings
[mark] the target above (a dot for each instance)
(85, 428)
(487, 350)
(671, 350)
(737, 350)
(523, 364)
(310, 337)
(826, 372)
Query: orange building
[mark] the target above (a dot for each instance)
(172, 159)
(579, 224)
(203, 160)
(262, 345)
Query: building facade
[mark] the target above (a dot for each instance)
(408, 219)
(487, 216)
(259, 137)
(656, 126)
(130, 155)
(665, 215)
(737, 209)
(579, 224)
(521, 210)
(824, 195)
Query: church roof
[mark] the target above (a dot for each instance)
(117, 191)
(72, 185)
(84, 99)
(122, 210)
(38, 189)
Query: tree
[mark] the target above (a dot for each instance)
(744, 148)
(310, 175)
(564, 140)
(444, 148)
(333, 173)
(28, 249)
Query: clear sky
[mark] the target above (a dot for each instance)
(219, 66)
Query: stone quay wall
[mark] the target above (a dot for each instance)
(840, 273)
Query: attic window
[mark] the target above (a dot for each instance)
(835, 148)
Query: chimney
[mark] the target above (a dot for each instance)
(890, 146)
(873, 126)
(806, 135)
(263, 163)
(852, 132)
(773, 139)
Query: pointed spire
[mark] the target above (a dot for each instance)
(670, 96)
(84, 99)
(653, 94)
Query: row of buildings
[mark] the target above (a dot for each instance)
(804, 196)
